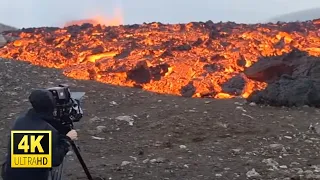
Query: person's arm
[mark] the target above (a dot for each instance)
(60, 147)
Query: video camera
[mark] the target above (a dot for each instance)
(68, 108)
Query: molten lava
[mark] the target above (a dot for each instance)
(191, 60)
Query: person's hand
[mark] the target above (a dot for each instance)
(73, 135)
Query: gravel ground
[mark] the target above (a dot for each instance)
(131, 134)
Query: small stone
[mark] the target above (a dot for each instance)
(128, 119)
(145, 161)
(299, 171)
(134, 158)
(97, 138)
(252, 173)
(69, 153)
(158, 160)
(113, 103)
(252, 104)
(316, 168)
(124, 163)
(294, 163)
(183, 147)
(238, 103)
(153, 160)
(308, 172)
(308, 141)
(218, 175)
(236, 151)
(271, 162)
(288, 137)
(94, 119)
(276, 146)
(100, 128)
(240, 108)
(283, 167)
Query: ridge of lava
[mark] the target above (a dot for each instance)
(197, 59)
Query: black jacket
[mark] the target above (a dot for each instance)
(36, 120)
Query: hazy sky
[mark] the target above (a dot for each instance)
(34, 13)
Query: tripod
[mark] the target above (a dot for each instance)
(58, 173)
(83, 164)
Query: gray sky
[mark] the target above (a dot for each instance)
(34, 13)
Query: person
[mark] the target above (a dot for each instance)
(39, 117)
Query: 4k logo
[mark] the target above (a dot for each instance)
(31, 149)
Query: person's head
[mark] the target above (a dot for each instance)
(42, 101)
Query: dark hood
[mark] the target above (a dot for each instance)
(42, 101)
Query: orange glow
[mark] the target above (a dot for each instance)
(115, 20)
(163, 58)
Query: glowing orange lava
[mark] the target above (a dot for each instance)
(163, 58)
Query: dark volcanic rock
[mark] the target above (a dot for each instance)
(293, 80)
(288, 91)
(188, 90)
(308, 67)
(234, 85)
(266, 70)
(140, 74)
(272, 68)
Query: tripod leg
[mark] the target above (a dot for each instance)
(83, 164)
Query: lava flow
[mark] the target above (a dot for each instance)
(192, 60)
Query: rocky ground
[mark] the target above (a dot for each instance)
(131, 134)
